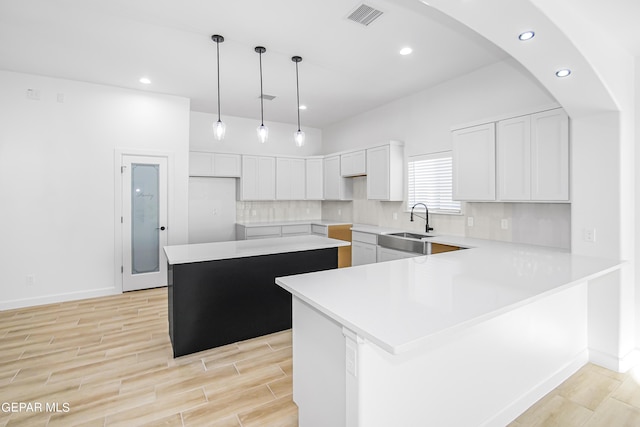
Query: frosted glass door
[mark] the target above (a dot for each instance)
(145, 225)
(144, 222)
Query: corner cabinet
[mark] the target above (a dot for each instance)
(385, 172)
(214, 164)
(474, 163)
(258, 181)
(335, 186)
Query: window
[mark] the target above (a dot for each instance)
(431, 182)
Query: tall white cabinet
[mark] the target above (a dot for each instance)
(474, 163)
(290, 178)
(514, 159)
(385, 172)
(335, 186)
(258, 181)
(313, 179)
(550, 156)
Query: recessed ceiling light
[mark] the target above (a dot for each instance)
(527, 35)
(565, 72)
(145, 81)
(405, 51)
(303, 107)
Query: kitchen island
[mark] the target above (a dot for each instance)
(224, 292)
(465, 338)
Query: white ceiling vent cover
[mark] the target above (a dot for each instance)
(364, 15)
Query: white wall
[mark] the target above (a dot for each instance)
(423, 120)
(241, 137)
(57, 181)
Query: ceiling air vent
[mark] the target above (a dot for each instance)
(364, 15)
(267, 97)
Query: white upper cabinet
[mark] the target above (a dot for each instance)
(214, 164)
(533, 157)
(385, 172)
(474, 163)
(258, 181)
(353, 163)
(550, 156)
(335, 186)
(514, 158)
(290, 179)
(314, 173)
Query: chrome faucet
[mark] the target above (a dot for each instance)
(425, 217)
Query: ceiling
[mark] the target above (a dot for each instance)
(347, 68)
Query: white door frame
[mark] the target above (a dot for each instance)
(119, 153)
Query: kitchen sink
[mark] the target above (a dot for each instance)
(407, 242)
(411, 235)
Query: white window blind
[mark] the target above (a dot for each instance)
(431, 182)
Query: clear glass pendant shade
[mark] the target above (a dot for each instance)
(299, 138)
(263, 133)
(219, 129)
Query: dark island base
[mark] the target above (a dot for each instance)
(214, 303)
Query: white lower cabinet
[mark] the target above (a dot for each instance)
(296, 230)
(386, 254)
(363, 248)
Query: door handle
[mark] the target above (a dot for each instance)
(161, 228)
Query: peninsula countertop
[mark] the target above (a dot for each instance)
(409, 303)
(199, 252)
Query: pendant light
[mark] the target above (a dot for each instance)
(219, 128)
(263, 131)
(299, 135)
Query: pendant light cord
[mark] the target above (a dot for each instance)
(298, 95)
(261, 94)
(218, 62)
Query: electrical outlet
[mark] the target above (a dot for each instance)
(504, 224)
(339, 212)
(31, 280)
(470, 221)
(589, 235)
(395, 215)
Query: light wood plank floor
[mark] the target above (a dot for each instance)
(109, 359)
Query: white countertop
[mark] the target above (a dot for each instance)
(412, 303)
(300, 222)
(182, 254)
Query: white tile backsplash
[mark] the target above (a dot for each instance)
(546, 224)
(293, 210)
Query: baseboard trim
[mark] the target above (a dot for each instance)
(57, 298)
(524, 402)
(614, 363)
